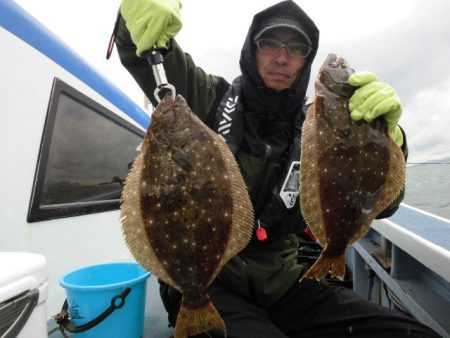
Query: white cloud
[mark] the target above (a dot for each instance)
(426, 120)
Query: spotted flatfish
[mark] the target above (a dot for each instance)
(185, 210)
(350, 171)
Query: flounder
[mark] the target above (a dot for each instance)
(350, 171)
(185, 210)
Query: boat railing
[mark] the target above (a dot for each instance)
(403, 262)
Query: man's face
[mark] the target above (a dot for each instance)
(279, 70)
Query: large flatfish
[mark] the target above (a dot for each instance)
(185, 210)
(350, 171)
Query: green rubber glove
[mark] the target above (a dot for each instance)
(151, 22)
(373, 99)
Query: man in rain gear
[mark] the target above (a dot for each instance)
(260, 115)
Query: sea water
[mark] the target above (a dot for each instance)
(428, 188)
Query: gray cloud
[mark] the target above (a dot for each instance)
(413, 56)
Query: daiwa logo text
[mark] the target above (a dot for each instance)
(225, 123)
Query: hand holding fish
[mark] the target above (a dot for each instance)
(374, 99)
(151, 22)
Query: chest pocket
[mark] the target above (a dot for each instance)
(256, 172)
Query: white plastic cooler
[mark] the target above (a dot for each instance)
(23, 295)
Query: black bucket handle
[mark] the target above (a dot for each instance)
(63, 319)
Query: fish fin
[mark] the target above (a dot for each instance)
(334, 265)
(396, 174)
(193, 322)
(309, 175)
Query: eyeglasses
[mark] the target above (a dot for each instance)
(296, 49)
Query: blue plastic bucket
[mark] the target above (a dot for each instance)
(93, 289)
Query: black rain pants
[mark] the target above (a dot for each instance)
(309, 309)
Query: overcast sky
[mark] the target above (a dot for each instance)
(405, 42)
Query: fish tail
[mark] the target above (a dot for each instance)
(335, 265)
(191, 322)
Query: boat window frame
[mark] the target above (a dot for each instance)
(37, 213)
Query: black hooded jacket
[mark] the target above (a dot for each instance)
(273, 121)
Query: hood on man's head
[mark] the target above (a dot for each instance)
(289, 15)
(283, 14)
(281, 22)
